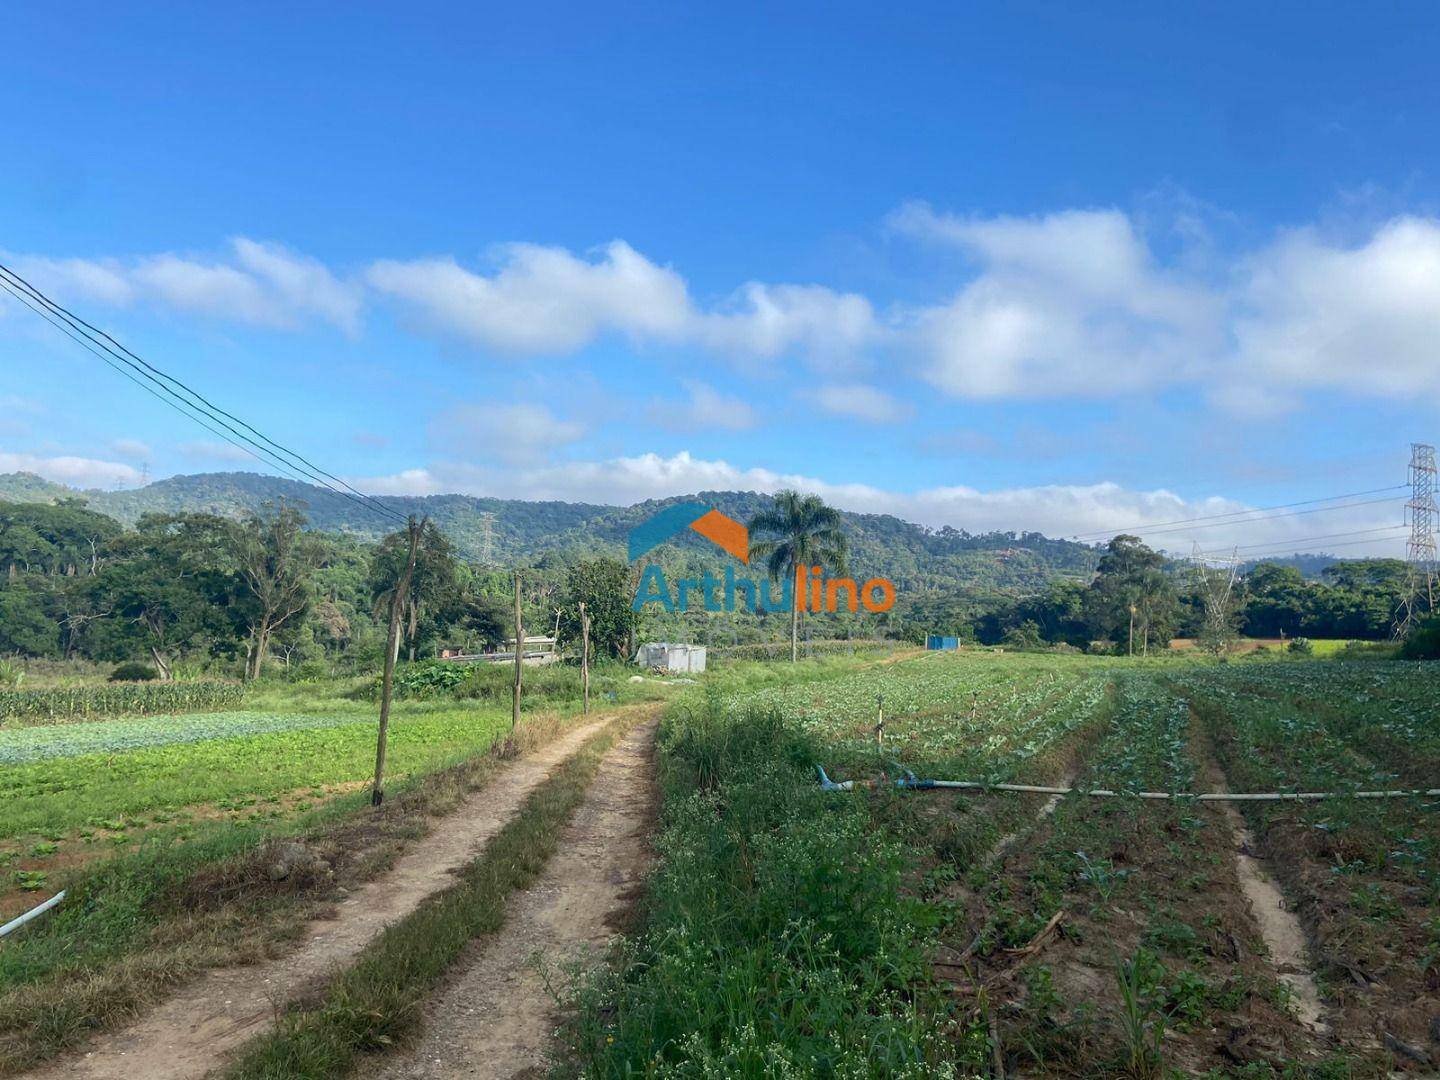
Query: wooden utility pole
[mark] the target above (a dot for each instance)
(392, 641)
(584, 658)
(519, 658)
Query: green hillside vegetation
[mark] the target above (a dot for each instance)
(160, 575)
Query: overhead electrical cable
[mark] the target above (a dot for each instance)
(1220, 553)
(270, 452)
(1239, 514)
(86, 343)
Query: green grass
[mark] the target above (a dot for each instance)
(780, 941)
(379, 999)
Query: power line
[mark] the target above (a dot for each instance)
(1240, 515)
(1307, 540)
(280, 457)
(181, 408)
(179, 405)
(198, 404)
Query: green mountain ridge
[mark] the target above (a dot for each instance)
(881, 545)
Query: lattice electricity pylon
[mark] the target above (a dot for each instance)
(1420, 548)
(1215, 577)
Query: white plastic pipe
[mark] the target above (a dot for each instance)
(1265, 796)
(911, 782)
(21, 920)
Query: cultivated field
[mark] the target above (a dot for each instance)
(889, 932)
(786, 929)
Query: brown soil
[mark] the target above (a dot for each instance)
(495, 1017)
(1185, 898)
(191, 1033)
(1281, 930)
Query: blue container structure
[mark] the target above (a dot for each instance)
(938, 641)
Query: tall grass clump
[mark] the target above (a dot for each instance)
(777, 942)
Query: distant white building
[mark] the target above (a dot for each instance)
(672, 657)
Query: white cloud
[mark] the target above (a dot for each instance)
(216, 450)
(705, 407)
(1364, 318)
(512, 433)
(546, 300)
(262, 284)
(859, 401)
(1064, 304)
(76, 471)
(542, 299)
(133, 449)
(766, 322)
(1054, 509)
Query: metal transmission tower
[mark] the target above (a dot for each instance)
(1420, 549)
(487, 539)
(1216, 585)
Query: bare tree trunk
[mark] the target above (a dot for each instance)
(584, 659)
(795, 615)
(161, 664)
(519, 659)
(397, 598)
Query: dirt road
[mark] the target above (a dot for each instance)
(495, 1017)
(192, 1033)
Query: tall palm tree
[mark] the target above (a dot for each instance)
(803, 531)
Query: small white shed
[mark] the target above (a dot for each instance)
(671, 656)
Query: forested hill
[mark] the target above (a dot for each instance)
(880, 544)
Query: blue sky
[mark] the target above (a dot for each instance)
(1015, 267)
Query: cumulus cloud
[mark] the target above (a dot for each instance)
(705, 407)
(1362, 317)
(79, 472)
(511, 433)
(541, 299)
(133, 449)
(766, 322)
(859, 401)
(547, 300)
(261, 284)
(212, 450)
(1054, 509)
(1067, 303)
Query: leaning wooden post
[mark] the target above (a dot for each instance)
(397, 602)
(519, 659)
(584, 659)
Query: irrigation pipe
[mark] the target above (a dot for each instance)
(21, 920)
(911, 782)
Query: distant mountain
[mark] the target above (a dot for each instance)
(911, 555)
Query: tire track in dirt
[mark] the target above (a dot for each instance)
(191, 1033)
(495, 1017)
(1279, 927)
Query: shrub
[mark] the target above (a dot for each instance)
(11, 676)
(311, 671)
(134, 672)
(1423, 642)
(1302, 646)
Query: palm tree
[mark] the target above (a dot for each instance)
(804, 531)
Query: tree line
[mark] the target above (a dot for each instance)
(264, 590)
(1137, 594)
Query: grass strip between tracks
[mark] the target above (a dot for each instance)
(379, 1000)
